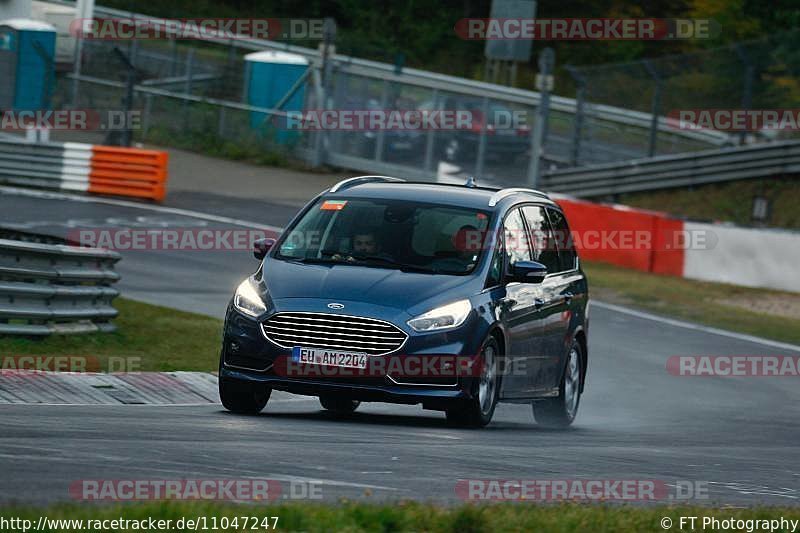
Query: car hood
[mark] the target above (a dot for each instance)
(378, 286)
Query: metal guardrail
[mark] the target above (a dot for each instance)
(54, 288)
(84, 167)
(696, 168)
(45, 165)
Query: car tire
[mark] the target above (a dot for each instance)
(478, 411)
(561, 411)
(339, 405)
(243, 397)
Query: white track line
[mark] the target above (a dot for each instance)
(248, 224)
(49, 195)
(697, 327)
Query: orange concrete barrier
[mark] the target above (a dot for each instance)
(128, 172)
(643, 240)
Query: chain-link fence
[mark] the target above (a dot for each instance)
(754, 75)
(194, 94)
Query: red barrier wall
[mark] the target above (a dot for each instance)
(632, 238)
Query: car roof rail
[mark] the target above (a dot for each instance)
(351, 182)
(503, 193)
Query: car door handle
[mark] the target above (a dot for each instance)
(568, 296)
(538, 303)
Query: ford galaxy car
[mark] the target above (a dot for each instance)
(382, 290)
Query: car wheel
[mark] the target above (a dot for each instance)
(478, 411)
(560, 412)
(339, 405)
(243, 397)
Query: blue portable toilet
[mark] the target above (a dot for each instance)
(269, 76)
(27, 64)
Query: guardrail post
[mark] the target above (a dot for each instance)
(547, 59)
(655, 106)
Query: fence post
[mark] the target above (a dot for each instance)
(655, 106)
(480, 161)
(381, 136)
(577, 122)
(547, 59)
(148, 105)
(749, 79)
(430, 140)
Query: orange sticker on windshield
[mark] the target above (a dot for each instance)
(333, 205)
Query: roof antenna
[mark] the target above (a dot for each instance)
(470, 182)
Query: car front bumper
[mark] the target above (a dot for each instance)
(247, 355)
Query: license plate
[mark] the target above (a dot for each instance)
(326, 356)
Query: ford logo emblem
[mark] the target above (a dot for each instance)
(335, 306)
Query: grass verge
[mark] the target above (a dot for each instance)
(713, 304)
(730, 201)
(412, 516)
(162, 338)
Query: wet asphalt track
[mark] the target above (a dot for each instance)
(738, 436)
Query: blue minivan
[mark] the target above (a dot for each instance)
(383, 290)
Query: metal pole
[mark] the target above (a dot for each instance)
(83, 10)
(749, 79)
(547, 59)
(480, 162)
(430, 140)
(381, 132)
(126, 138)
(654, 107)
(577, 124)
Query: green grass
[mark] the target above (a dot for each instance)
(730, 202)
(348, 516)
(695, 301)
(163, 339)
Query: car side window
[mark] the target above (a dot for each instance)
(566, 246)
(515, 238)
(545, 250)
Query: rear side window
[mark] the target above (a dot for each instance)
(566, 247)
(545, 250)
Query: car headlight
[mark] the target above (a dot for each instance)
(247, 299)
(447, 316)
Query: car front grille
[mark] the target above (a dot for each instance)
(324, 330)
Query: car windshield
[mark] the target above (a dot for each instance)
(393, 234)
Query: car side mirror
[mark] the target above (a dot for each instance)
(262, 246)
(528, 272)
